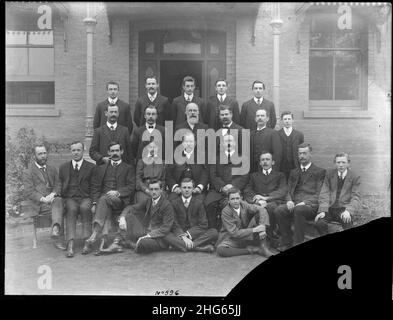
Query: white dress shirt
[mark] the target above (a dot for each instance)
(79, 163)
(221, 98)
(343, 175)
(237, 211)
(268, 171)
(307, 166)
(39, 167)
(152, 97)
(260, 99)
(114, 125)
(287, 131)
(154, 202)
(117, 162)
(188, 97)
(148, 129)
(113, 101)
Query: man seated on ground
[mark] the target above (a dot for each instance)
(113, 187)
(243, 228)
(190, 229)
(42, 188)
(145, 225)
(267, 188)
(304, 185)
(340, 196)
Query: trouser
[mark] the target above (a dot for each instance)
(332, 215)
(300, 215)
(208, 237)
(135, 230)
(55, 209)
(104, 211)
(74, 206)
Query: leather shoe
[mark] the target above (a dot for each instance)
(60, 246)
(55, 232)
(208, 248)
(70, 249)
(87, 248)
(113, 248)
(264, 250)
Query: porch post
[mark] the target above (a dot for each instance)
(276, 24)
(90, 24)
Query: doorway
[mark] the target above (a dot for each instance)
(172, 73)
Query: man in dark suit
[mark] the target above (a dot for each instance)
(75, 185)
(247, 114)
(112, 188)
(304, 185)
(267, 188)
(111, 131)
(125, 118)
(243, 228)
(154, 132)
(186, 166)
(179, 103)
(340, 196)
(228, 126)
(144, 226)
(152, 97)
(221, 98)
(190, 229)
(223, 176)
(290, 140)
(41, 185)
(264, 138)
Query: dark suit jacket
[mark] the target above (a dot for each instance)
(196, 215)
(84, 177)
(137, 144)
(146, 172)
(268, 140)
(125, 118)
(161, 103)
(249, 108)
(199, 173)
(234, 126)
(213, 112)
(102, 138)
(35, 185)
(350, 193)
(179, 109)
(274, 186)
(297, 138)
(312, 185)
(160, 217)
(221, 175)
(125, 182)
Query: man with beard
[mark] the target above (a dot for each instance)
(228, 126)
(41, 183)
(179, 103)
(221, 98)
(112, 188)
(304, 185)
(153, 131)
(75, 185)
(187, 167)
(152, 98)
(290, 140)
(111, 131)
(222, 180)
(247, 114)
(125, 118)
(264, 138)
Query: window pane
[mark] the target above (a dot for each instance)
(347, 39)
(149, 47)
(321, 75)
(16, 37)
(182, 42)
(321, 40)
(347, 75)
(30, 92)
(16, 61)
(41, 37)
(41, 61)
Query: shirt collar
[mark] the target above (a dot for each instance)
(223, 97)
(147, 126)
(344, 173)
(191, 96)
(256, 99)
(75, 162)
(191, 125)
(156, 200)
(113, 100)
(268, 171)
(307, 166)
(260, 129)
(228, 125)
(152, 97)
(237, 210)
(118, 162)
(287, 131)
(184, 199)
(188, 154)
(230, 153)
(39, 167)
(109, 125)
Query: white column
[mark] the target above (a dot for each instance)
(90, 24)
(276, 24)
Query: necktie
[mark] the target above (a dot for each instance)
(188, 99)
(186, 203)
(112, 128)
(43, 169)
(76, 167)
(266, 173)
(114, 164)
(221, 99)
(304, 169)
(259, 101)
(340, 175)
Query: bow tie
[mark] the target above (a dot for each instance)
(150, 127)
(225, 127)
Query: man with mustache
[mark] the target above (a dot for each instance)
(228, 126)
(152, 98)
(41, 183)
(264, 138)
(304, 185)
(125, 118)
(113, 188)
(111, 131)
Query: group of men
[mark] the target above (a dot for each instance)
(156, 203)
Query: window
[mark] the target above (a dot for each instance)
(29, 61)
(338, 63)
